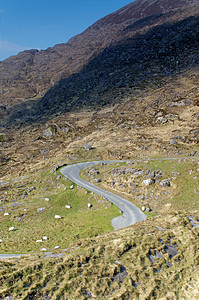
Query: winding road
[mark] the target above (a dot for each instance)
(131, 213)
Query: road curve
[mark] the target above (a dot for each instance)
(131, 213)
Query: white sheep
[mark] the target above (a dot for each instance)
(56, 247)
(57, 217)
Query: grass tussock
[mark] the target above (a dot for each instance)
(117, 265)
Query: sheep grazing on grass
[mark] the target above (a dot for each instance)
(56, 247)
(57, 217)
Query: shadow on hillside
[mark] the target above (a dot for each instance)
(134, 63)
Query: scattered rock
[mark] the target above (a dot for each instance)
(39, 241)
(94, 172)
(67, 206)
(122, 186)
(193, 153)
(159, 172)
(44, 249)
(151, 174)
(160, 228)
(194, 221)
(148, 181)
(158, 176)
(175, 173)
(173, 142)
(47, 199)
(12, 228)
(45, 238)
(157, 254)
(184, 102)
(87, 146)
(50, 131)
(133, 184)
(171, 250)
(139, 173)
(98, 180)
(6, 214)
(165, 183)
(72, 186)
(142, 197)
(41, 209)
(89, 205)
(1, 241)
(121, 275)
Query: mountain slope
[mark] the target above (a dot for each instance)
(130, 66)
(31, 73)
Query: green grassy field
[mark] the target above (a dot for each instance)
(30, 225)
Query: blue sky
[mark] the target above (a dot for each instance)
(39, 24)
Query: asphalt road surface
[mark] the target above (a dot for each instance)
(131, 213)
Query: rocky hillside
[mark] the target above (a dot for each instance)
(122, 50)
